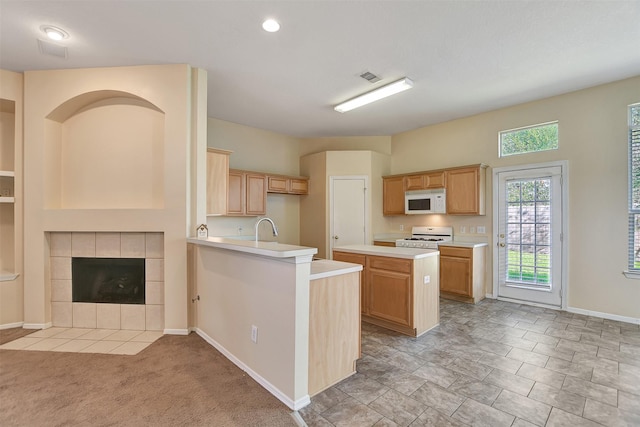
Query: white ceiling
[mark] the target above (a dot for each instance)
(465, 57)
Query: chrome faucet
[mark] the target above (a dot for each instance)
(273, 226)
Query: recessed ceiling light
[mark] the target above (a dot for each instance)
(271, 25)
(54, 33)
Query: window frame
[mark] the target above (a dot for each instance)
(537, 125)
(633, 136)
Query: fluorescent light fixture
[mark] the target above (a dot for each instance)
(369, 97)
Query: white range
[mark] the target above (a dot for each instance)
(426, 237)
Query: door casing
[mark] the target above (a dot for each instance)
(564, 166)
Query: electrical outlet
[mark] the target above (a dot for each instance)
(427, 279)
(239, 230)
(254, 333)
(463, 229)
(401, 227)
(481, 229)
(472, 230)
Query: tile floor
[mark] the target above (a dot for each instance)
(79, 340)
(492, 364)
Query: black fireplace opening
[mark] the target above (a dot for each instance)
(108, 280)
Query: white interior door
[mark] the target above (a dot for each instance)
(529, 234)
(348, 211)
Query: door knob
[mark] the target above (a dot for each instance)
(335, 237)
(501, 244)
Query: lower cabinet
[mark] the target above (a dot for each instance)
(393, 292)
(462, 273)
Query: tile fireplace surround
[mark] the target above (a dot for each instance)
(140, 317)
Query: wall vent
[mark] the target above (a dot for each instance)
(370, 77)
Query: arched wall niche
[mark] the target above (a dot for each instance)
(104, 150)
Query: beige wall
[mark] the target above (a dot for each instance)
(380, 144)
(593, 139)
(53, 101)
(321, 167)
(260, 151)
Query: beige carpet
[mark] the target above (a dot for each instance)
(177, 381)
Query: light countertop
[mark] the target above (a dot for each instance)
(268, 249)
(323, 268)
(464, 244)
(388, 251)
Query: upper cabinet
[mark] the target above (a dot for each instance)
(217, 181)
(465, 190)
(393, 195)
(287, 184)
(247, 193)
(424, 181)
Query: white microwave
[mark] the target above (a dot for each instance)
(425, 202)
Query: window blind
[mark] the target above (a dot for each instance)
(634, 197)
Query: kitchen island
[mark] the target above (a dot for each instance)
(291, 323)
(399, 286)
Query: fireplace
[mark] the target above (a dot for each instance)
(108, 280)
(125, 289)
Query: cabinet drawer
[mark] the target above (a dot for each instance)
(349, 257)
(391, 264)
(456, 252)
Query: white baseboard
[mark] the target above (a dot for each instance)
(625, 319)
(176, 332)
(294, 405)
(37, 325)
(11, 325)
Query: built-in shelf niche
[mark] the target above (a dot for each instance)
(104, 150)
(7, 189)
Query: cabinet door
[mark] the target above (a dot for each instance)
(235, 197)
(434, 180)
(299, 186)
(393, 196)
(256, 200)
(456, 271)
(390, 294)
(465, 193)
(414, 182)
(278, 184)
(217, 181)
(356, 259)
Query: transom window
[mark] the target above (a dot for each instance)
(529, 139)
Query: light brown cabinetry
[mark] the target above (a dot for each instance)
(393, 294)
(287, 185)
(424, 181)
(393, 195)
(247, 193)
(465, 190)
(462, 273)
(217, 181)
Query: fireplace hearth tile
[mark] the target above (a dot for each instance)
(60, 244)
(155, 245)
(60, 268)
(132, 245)
(73, 333)
(147, 336)
(20, 343)
(154, 270)
(74, 346)
(132, 317)
(98, 334)
(108, 245)
(47, 333)
(83, 245)
(154, 293)
(102, 347)
(84, 315)
(108, 316)
(155, 317)
(62, 314)
(123, 335)
(130, 348)
(61, 290)
(47, 344)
